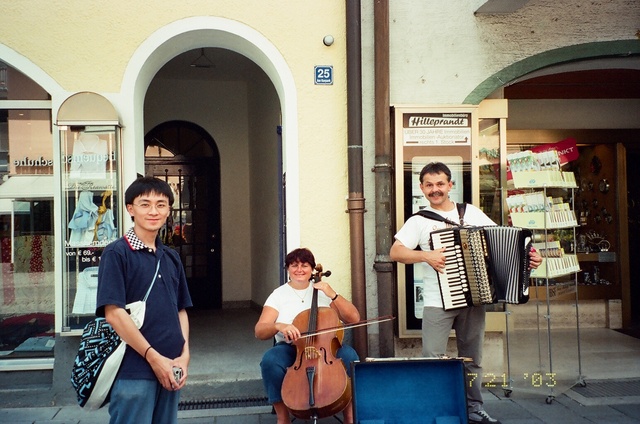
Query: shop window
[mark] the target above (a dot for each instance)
(595, 204)
(490, 184)
(91, 209)
(14, 85)
(27, 301)
(91, 199)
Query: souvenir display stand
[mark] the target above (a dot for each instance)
(547, 326)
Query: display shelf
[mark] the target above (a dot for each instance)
(597, 257)
(546, 178)
(542, 220)
(553, 222)
(600, 239)
(567, 264)
(600, 291)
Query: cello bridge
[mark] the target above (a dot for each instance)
(311, 352)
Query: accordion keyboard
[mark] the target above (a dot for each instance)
(465, 280)
(454, 284)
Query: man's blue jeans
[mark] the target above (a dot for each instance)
(142, 402)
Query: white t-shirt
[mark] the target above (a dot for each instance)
(416, 231)
(289, 303)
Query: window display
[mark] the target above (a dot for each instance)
(27, 236)
(598, 235)
(90, 184)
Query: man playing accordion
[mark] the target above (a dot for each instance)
(468, 322)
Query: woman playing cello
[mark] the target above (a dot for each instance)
(280, 309)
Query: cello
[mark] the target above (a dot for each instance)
(317, 384)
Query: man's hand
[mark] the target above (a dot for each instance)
(436, 259)
(182, 362)
(534, 259)
(163, 369)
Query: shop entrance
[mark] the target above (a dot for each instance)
(633, 201)
(185, 156)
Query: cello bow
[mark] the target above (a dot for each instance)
(346, 327)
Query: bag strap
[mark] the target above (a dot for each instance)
(437, 217)
(152, 281)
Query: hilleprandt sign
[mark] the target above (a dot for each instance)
(437, 129)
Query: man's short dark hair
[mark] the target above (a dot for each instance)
(147, 185)
(435, 168)
(302, 255)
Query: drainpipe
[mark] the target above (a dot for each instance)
(383, 179)
(355, 202)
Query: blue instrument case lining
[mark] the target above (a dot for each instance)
(409, 391)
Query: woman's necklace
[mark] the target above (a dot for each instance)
(296, 292)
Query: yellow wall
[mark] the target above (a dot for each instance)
(95, 39)
(87, 45)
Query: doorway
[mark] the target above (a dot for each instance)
(633, 210)
(185, 155)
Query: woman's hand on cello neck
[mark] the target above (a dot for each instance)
(345, 309)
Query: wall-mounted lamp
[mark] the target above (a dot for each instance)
(328, 40)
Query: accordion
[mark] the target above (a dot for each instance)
(484, 265)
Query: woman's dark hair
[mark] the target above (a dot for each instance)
(301, 255)
(435, 168)
(147, 185)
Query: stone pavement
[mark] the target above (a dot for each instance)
(519, 408)
(611, 367)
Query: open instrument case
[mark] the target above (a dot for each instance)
(409, 391)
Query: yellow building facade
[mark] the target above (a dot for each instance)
(244, 108)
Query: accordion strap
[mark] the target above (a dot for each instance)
(462, 208)
(437, 217)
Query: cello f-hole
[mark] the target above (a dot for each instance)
(299, 363)
(325, 357)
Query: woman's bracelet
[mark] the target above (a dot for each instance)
(145, 352)
(335, 297)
